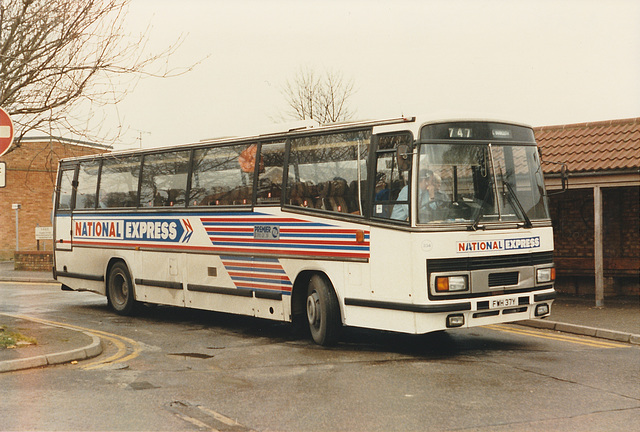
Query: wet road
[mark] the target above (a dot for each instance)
(175, 369)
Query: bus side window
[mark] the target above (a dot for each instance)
(329, 172)
(223, 176)
(87, 184)
(65, 191)
(391, 189)
(119, 182)
(270, 173)
(164, 179)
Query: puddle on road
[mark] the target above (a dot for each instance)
(142, 385)
(192, 355)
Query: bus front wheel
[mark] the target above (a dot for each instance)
(120, 290)
(323, 312)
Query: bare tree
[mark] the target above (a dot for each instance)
(324, 99)
(62, 58)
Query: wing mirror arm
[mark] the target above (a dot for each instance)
(564, 178)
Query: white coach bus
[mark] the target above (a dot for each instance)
(407, 225)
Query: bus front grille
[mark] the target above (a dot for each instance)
(503, 279)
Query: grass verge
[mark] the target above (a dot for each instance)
(12, 339)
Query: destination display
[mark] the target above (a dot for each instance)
(477, 131)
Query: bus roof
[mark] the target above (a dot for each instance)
(412, 123)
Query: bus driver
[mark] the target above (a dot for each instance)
(429, 195)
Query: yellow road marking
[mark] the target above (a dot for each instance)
(119, 341)
(557, 337)
(196, 422)
(115, 358)
(220, 417)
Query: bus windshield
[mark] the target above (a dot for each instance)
(476, 184)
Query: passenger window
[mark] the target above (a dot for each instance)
(223, 176)
(65, 192)
(164, 179)
(119, 182)
(270, 173)
(87, 185)
(329, 172)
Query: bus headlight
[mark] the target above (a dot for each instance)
(451, 283)
(545, 275)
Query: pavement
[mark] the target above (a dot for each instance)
(58, 343)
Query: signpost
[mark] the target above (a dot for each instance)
(43, 233)
(6, 131)
(17, 208)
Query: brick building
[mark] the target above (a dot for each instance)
(30, 179)
(597, 221)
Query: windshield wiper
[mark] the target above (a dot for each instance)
(479, 213)
(516, 202)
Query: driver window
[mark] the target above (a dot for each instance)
(391, 191)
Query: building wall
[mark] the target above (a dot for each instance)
(30, 180)
(573, 221)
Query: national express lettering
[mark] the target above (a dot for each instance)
(151, 230)
(99, 229)
(480, 245)
(498, 245)
(171, 230)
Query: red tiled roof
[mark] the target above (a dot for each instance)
(587, 147)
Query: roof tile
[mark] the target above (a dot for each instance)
(599, 146)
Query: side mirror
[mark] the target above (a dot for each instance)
(564, 176)
(403, 156)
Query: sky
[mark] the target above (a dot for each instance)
(538, 62)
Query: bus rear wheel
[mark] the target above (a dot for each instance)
(120, 290)
(323, 312)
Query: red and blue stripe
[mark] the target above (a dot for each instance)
(296, 237)
(257, 274)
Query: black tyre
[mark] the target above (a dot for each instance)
(323, 312)
(120, 290)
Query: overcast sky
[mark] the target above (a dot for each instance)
(533, 61)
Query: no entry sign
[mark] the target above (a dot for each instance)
(6, 131)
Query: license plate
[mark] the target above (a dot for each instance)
(504, 303)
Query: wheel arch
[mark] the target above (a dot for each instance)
(112, 261)
(299, 293)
